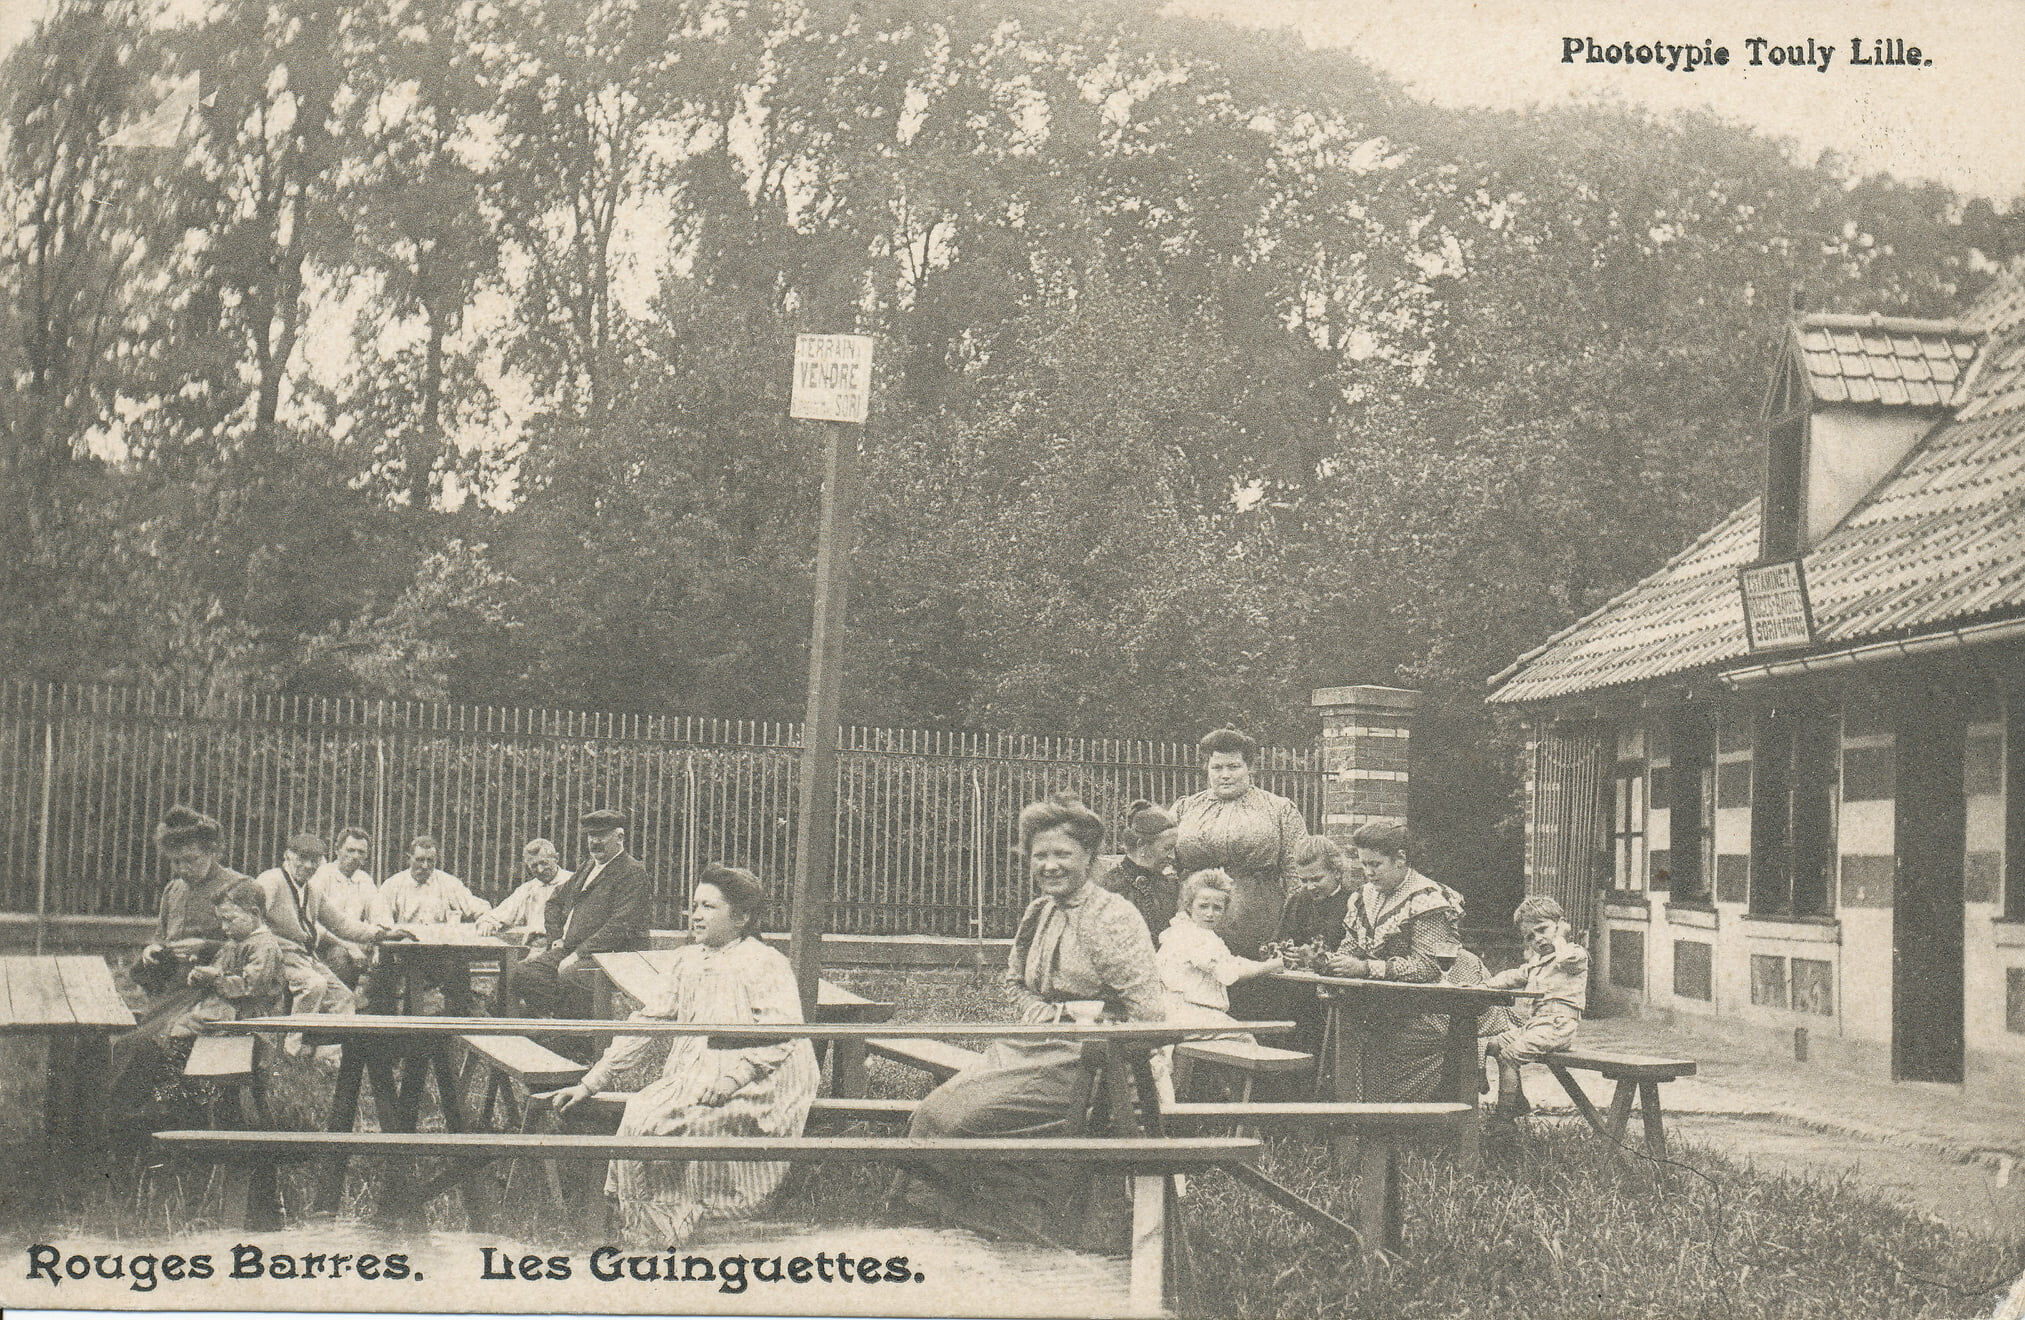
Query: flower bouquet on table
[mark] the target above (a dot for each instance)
(1311, 957)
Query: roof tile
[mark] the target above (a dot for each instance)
(1921, 394)
(1891, 391)
(1861, 391)
(1830, 389)
(1815, 341)
(1915, 368)
(1847, 342)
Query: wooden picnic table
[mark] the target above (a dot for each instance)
(638, 972)
(70, 1001)
(446, 951)
(1362, 1012)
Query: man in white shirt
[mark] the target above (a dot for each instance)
(299, 910)
(524, 912)
(346, 887)
(423, 895)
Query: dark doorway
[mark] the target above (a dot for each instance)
(1927, 903)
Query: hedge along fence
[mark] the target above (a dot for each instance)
(926, 833)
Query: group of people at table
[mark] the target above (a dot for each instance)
(1208, 875)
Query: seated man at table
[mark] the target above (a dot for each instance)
(602, 909)
(523, 915)
(347, 887)
(420, 896)
(301, 911)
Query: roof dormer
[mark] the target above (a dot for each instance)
(1850, 397)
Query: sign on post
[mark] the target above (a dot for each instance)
(833, 378)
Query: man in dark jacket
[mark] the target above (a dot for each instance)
(602, 908)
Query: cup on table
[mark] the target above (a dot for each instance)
(1084, 1010)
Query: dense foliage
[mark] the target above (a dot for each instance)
(447, 352)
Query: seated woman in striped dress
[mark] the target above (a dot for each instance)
(726, 976)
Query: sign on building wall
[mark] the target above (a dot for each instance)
(833, 378)
(1776, 612)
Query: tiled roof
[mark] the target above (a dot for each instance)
(1887, 360)
(1940, 541)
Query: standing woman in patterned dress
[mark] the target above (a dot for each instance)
(1401, 926)
(725, 976)
(1250, 834)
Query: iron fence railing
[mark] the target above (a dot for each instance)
(925, 820)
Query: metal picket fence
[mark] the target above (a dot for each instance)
(925, 820)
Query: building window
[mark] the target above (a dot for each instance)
(1813, 982)
(1796, 767)
(1768, 981)
(1693, 969)
(1627, 815)
(1627, 959)
(1691, 799)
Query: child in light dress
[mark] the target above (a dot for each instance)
(249, 975)
(1196, 966)
(1556, 974)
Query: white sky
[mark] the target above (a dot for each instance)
(1962, 121)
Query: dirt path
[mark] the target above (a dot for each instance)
(1969, 1196)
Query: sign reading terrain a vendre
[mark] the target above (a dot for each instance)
(833, 378)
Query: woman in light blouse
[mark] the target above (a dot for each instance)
(1081, 952)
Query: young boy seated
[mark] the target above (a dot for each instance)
(1557, 971)
(249, 976)
(1195, 964)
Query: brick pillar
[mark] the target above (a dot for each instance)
(1366, 734)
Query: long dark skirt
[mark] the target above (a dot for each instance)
(144, 1059)
(1022, 1089)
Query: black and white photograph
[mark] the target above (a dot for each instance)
(1225, 659)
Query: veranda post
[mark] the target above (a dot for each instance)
(832, 387)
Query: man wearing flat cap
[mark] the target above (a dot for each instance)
(602, 908)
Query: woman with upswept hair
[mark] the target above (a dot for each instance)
(1082, 952)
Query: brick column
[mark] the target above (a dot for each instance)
(1366, 733)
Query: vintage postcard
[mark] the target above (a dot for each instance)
(1222, 658)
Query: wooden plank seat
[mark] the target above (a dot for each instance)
(229, 1066)
(1248, 1059)
(1637, 1075)
(939, 1059)
(516, 1069)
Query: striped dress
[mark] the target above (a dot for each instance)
(661, 1201)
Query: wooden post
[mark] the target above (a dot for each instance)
(42, 845)
(815, 835)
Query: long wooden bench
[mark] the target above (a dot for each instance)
(1635, 1074)
(1248, 1059)
(939, 1059)
(1149, 1161)
(1379, 1128)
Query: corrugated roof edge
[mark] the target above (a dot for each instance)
(1911, 325)
(1503, 676)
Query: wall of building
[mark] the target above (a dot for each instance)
(1849, 450)
(1767, 978)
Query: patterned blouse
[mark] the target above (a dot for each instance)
(1093, 945)
(1252, 836)
(1407, 929)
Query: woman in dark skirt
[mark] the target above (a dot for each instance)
(1077, 942)
(1401, 926)
(187, 935)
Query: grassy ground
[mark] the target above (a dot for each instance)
(1547, 1228)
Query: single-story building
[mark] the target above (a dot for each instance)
(1782, 779)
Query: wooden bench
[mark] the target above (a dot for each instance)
(230, 1066)
(517, 1064)
(939, 1059)
(1150, 1162)
(1247, 1058)
(1635, 1074)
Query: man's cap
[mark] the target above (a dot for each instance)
(597, 822)
(307, 846)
